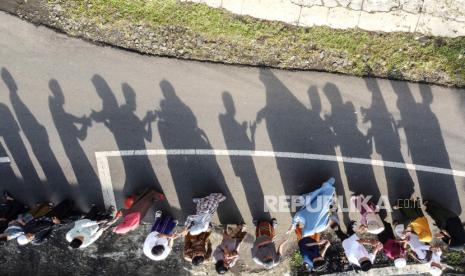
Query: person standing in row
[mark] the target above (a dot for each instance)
(89, 229)
(159, 243)
(369, 220)
(356, 252)
(9, 210)
(136, 211)
(197, 244)
(204, 210)
(227, 253)
(197, 248)
(312, 219)
(393, 249)
(38, 230)
(449, 224)
(16, 227)
(417, 222)
(264, 251)
(435, 265)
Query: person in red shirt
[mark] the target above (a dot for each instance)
(134, 214)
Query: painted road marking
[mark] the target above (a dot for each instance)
(107, 186)
(4, 160)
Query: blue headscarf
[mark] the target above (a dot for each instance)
(314, 215)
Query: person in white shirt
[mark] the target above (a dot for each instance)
(89, 229)
(357, 254)
(159, 242)
(204, 210)
(418, 247)
(435, 262)
(421, 249)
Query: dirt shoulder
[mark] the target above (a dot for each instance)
(198, 32)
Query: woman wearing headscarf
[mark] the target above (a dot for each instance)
(136, 211)
(421, 251)
(435, 265)
(417, 222)
(393, 248)
(369, 219)
(159, 243)
(449, 224)
(313, 218)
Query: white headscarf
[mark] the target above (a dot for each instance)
(400, 262)
(398, 230)
(374, 224)
(23, 240)
(435, 271)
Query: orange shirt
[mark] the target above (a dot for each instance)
(298, 232)
(421, 227)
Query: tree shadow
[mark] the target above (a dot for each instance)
(426, 144)
(37, 136)
(383, 132)
(30, 187)
(129, 132)
(193, 175)
(70, 136)
(352, 143)
(293, 128)
(236, 138)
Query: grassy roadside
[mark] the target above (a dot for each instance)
(168, 27)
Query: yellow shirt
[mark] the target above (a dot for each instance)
(421, 227)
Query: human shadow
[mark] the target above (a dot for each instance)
(236, 138)
(30, 187)
(294, 128)
(193, 175)
(383, 132)
(322, 137)
(352, 143)
(8, 178)
(426, 144)
(37, 136)
(70, 136)
(129, 132)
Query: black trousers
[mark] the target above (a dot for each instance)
(96, 215)
(62, 210)
(9, 211)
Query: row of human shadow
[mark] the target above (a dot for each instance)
(292, 127)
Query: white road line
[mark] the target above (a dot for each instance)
(107, 187)
(105, 179)
(4, 160)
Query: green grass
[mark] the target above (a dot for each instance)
(456, 260)
(400, 55)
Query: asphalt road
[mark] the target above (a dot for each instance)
(62, 100)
